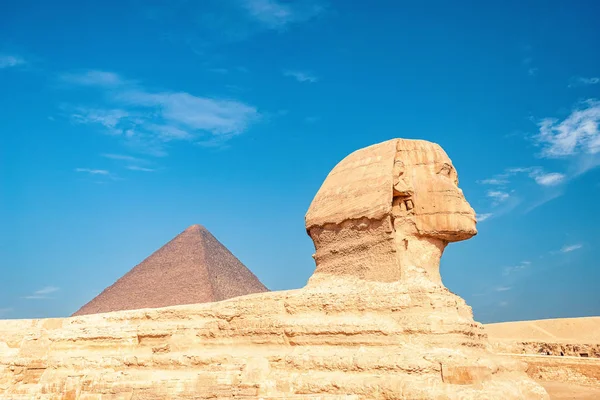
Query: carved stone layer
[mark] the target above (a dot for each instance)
(342, 337)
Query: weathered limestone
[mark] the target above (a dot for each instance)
(375, 321)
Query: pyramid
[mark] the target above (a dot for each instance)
(194, 267)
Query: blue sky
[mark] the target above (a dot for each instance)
(124, 122)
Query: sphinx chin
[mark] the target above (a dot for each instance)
(453, 235)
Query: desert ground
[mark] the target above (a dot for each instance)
(573, 375)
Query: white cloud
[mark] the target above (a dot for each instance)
(184, 111)
(134, 163)
(109, 118)
(576, 134)
(7, 61)
(93, 78)
(168, 132)
(550, 179)
(528, 63)
(494, 181)
(573, 247)
(581, 81)
(147, 120)
(138, 168)
(536, 173)
(276, 14)
(42, 293)
(497, 195)
(503, 303)
(502, 288)
(270, 12)
(93, 171)
(47, 290)
(516, 268)
(122, 157)
(517, 170)
(483, 217)
(301, 76)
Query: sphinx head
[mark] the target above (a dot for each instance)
(426, 197)
(386, 206)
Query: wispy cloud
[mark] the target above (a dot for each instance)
(147, 120)
(549, 179)
(301, 76)
(93, 171)
(131, 163)
(541, 177)
(93, 78)
(202, 25)
(545, 198)
(182, 112)
(498, 196)
(502, 288)
(7, 61)
(581, 81)
(42, 293)
(276, 14)
(570, 248)
(123, 157)
(516, 268)
(538, 174)
(483, 217)
(138, 168)
(528, 63)
(576, 134)
(493, 181)
(109, 118)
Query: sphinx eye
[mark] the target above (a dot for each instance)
(446, 169)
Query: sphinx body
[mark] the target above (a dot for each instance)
(374, 321)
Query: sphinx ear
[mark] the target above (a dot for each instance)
(402, 189)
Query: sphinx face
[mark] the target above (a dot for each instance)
(440, 208)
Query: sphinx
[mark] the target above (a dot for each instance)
(387, 207)
(374, 321)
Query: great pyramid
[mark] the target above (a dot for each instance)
(192, 268)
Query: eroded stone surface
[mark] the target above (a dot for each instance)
(375, 321)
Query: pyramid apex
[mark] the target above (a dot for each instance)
(195, 228)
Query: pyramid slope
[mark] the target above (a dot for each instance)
(192, 268)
